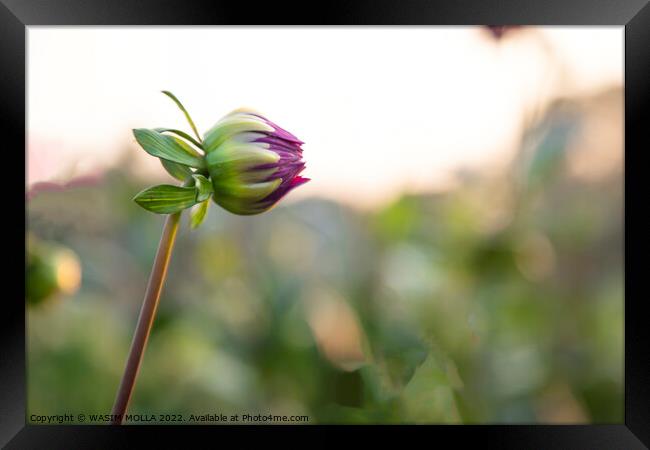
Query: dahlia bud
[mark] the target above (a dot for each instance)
(252, 162)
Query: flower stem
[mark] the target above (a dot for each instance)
(146, 318)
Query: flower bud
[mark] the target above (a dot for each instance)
(53, 271)
(252, 162)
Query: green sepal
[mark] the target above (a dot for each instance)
(178, 171)
(203, 187)
(180, 133)
(187, 147)
(166, 199)
(168, 147)
(198, 213)
(182, 108)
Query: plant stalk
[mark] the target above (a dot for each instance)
(146, 318)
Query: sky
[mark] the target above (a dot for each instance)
(382, 110)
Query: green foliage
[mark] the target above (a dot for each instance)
(168, 147)
(178, 171)
(176, 156)
(198, 213)
(182, 108)
(203, 187)
(167, 199)
(429, 395)
(180, 133)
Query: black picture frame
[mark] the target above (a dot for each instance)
(633, 15)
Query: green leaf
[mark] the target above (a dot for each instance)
(198, 214)
(429, 395)
(168, 147)
(180, 133)
(166, 199)
(182, 108)
(187, 147)
(177, 171)
(203, 187)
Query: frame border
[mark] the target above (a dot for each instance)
(634, 15)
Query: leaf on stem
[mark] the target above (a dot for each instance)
(178, 171)
(180, 133)
(182, 108)
(168, 147)
(166, 199)
(198, 214)
(203, 187)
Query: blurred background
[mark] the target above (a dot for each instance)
(456, 258)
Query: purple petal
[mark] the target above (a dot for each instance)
(282, 190)
(280, 132)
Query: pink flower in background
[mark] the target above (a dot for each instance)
(48, 172)
(498, 32)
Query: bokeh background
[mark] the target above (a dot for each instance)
(456, 258)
